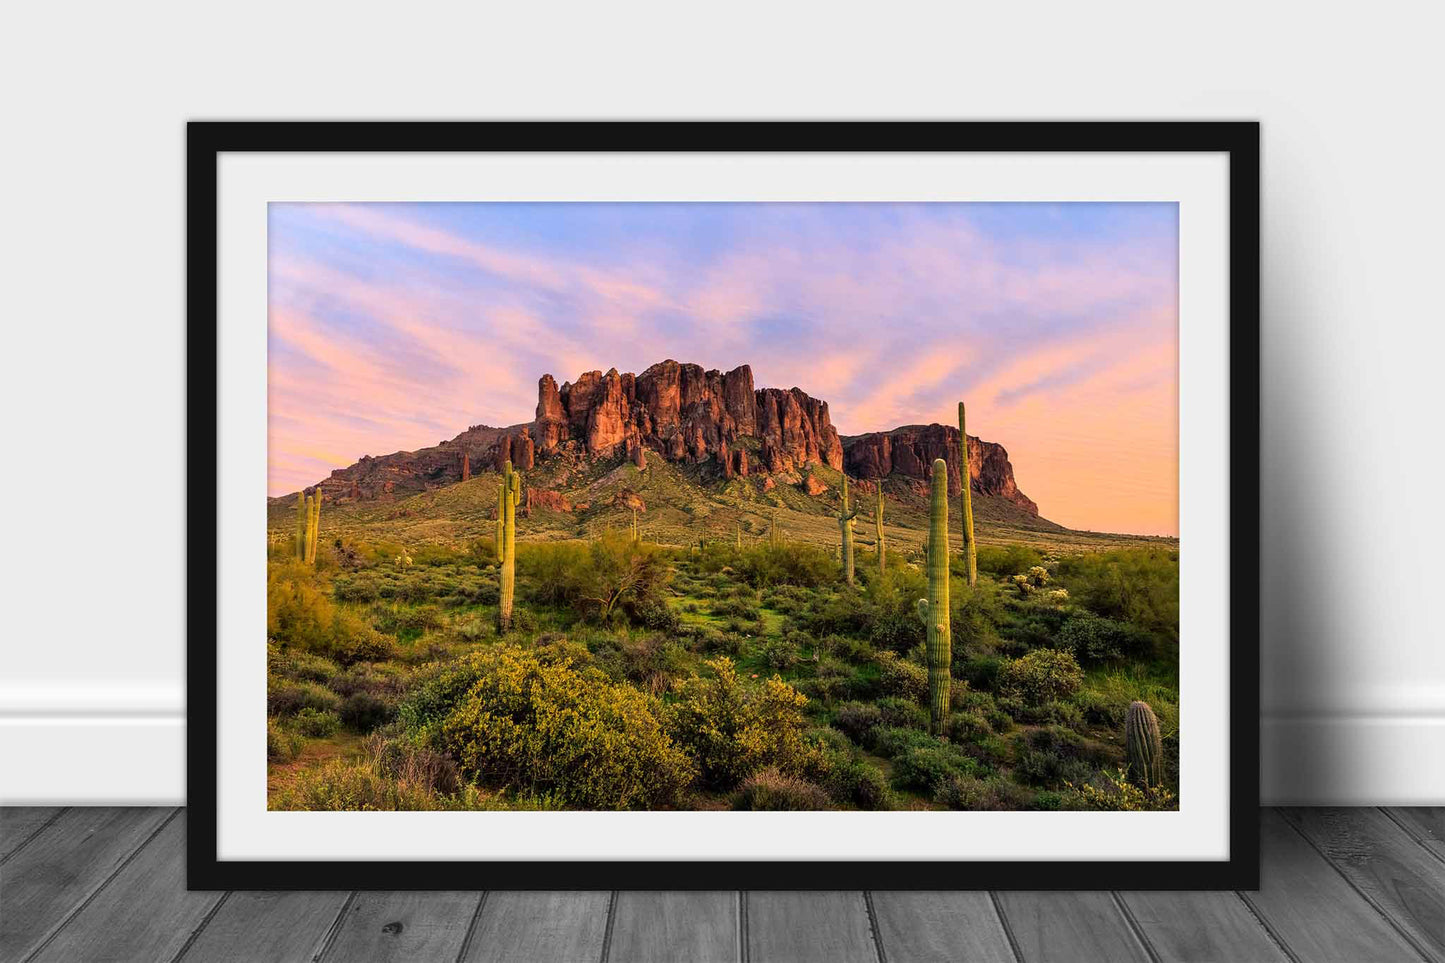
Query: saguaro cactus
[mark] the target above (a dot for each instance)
(934, 609)
(1143, 747)
(313, 526)
(635, 536)
(740, 536)
(466, 466)
(970, 548)
(509, 499)
(845, 528)
(303, 522)
(773, 529)
(878, 531)
(502, 510)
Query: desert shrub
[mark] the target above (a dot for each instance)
(967, 726)
(1093, 639)
(286, 698)
(980, 673)
(732, 730)
(1111, 791)
(732, 608)
(897, 711)
(364, 711)
(297, 664)
(855, 782)
(778, 654)
(900, 677)
(316, 724)
(924, 768)
(413, 764)
(1136, 585)
(806, 566)
(857, 720)
(893, 741)
(770, 790)
(553, 731)
(973, 622)
(994, 794)
(1005, 559)
(786, 598)
(1054, 755)
(347, 787)
(299, 614)
(378, 678)
(653, 661)
(282, 745)
(894, 623)
(1040, 677)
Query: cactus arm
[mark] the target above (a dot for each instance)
(939, 647)
(970, 548)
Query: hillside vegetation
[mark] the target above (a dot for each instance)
(718, 659)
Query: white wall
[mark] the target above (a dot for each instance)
(91, 695)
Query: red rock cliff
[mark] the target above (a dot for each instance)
(684, 412)
(909, 451)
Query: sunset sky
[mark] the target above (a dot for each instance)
(395, 326)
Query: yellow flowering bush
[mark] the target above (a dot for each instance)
(549, 729)
(733, 731)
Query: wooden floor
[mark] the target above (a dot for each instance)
(1354, 885)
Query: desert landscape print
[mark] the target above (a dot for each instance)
(723, 507)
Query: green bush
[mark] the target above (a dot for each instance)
(1093, 639)
(802, 565)
(282, 745)
(732, 730)
(925, 768)
(286, 698)
(553, 731)
(299, 614)
(967, 727)
(857, 720)
(901, 677)
(365, 711)
(1005, 559)
(316, 724)
(856, 782)
(994, 794)
(1040, 677)
(1136, 585)
(769, 790)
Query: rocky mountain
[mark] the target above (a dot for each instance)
(684, 414)
(909, 451)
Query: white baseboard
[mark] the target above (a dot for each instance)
(128, 746)
(1352, 760)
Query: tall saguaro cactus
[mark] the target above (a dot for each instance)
(740, 536)
(970, 548)
(773, 529)
(502, 511)
(313, 526)
(635, 536)
(878, 531)
(845, 528)
(509, 499)
(303, 524)
(934, 609)
(1143, 747)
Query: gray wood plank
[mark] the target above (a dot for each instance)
(1201, 927)
(68, 861)
(267, 928)
(144, 913)
(413, 926)
(809, 928)
(19, 823)
(1393, 871)
(1426, 824)
(923, 927)
(1312, 909)
(540, 927)
(658, 927)
(1077, 927)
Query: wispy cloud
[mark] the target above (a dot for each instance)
(393, 326)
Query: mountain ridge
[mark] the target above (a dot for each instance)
(684, 414)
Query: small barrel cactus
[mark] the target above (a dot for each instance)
(1143, 747)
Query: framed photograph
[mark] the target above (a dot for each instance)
(723, 505)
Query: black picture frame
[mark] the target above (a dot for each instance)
(206, 140)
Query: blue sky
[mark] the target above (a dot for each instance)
(393, 326)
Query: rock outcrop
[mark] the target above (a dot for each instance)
(681, 413)
(909, 452)
(686, 413)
